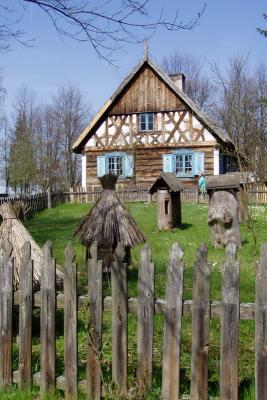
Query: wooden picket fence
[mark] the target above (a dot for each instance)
(32, 203)
(134, 193)
(257, 193)
(145, 306)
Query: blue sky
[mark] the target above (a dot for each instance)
(227, 28)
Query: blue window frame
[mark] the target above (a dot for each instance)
(184, 163)
(146, 122)
(120, 164)
(115, 165)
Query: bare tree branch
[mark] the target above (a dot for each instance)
(105, 25)
(263, 31)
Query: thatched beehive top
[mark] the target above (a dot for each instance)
(109, 222)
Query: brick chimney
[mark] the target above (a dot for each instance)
(179, 80)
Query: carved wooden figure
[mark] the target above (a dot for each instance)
(223, 218)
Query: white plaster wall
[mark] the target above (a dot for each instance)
(120, 141)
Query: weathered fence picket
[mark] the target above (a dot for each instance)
(25, 318)
(261, 327)
(95, 268)
(145, 316)
(229, 326)
(70, 325)
(200, 326)
(6, 296)
(145, 306)
(119, 320)
(172, 326)
(48, 312)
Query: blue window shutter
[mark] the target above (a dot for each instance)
(199, 162)
(167, 163)
(101, 165)
(129, 165)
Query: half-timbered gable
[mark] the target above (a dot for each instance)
(150, 126)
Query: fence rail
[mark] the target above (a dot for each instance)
(145, 306)
(30, 204)
(257, 194)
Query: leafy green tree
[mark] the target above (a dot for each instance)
(22, 167)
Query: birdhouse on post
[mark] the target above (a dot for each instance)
(225, 203)
(168, 188)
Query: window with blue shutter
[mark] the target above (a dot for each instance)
(199, 162)
(129, 165)
(168, 163)
(117, 163)
(101, 165)
(146, 122)
(184, 163)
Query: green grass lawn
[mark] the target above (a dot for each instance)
(59, 225)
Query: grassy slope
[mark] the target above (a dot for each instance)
(59, 225)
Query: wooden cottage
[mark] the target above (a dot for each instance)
(168, 188)
(149, 126)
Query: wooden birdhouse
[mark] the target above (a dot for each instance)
(168, 188)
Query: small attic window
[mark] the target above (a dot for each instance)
(146, 122)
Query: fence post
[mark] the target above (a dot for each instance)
(172, 327)
(145, 319)
(95, 271)
(49, 202)
(261, 326)
(200, 326)
(119, 319)
(229, 326)
(25, 317)
(6, 297)
(48, 309)
(70, 325)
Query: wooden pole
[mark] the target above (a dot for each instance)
(95, 271)
(49, 202)
(145, 315)
(70, 325)
(229, 326)
(25, 318)
(261, 327)
(200, 326)
(48, 311)
(172, 327)
(6, 304)
(119, 320)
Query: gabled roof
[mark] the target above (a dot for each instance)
(99, 117)
(166, 180)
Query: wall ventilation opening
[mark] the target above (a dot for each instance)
(166, 207)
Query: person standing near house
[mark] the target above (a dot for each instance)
(202, 184)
